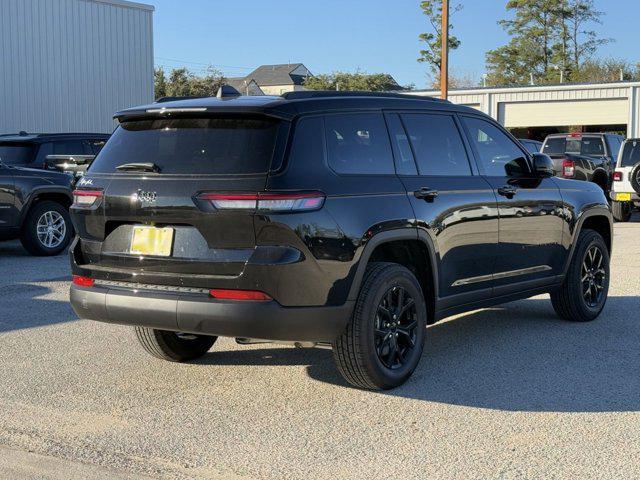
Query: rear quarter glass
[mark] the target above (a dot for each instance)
(192, 146)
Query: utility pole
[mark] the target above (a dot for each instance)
(444, 61)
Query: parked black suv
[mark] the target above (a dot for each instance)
(584, 156)
(67, 152)
(345, 219)
(34, 207)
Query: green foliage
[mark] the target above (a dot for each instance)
(431, 54)
(183, 83)
(547, 37)
(606, 70)
(357, 81)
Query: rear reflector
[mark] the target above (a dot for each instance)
(568, 168)
(617, 176)
(251, 295)
(85, 198)
(274, 202)
(82, 281)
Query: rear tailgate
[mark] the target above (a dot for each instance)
(190, 156)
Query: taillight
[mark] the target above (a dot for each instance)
(568, 168)
(273, 202)
(617, 176)
(82, 281)
(86, 198)
(251, 295)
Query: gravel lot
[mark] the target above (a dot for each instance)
(510, 392)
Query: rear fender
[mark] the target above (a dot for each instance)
(387, 237)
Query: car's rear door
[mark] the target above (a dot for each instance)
(530, 207)
(451, 202)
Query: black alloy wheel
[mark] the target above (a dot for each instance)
(395, 327)
(594, 276)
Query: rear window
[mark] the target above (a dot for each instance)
(17, 153)
(554, 146)
(630, 154)
(577, 145)
(192, 146)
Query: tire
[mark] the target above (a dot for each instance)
(40, 212)
(634, 178)
(622, 211)
(569, 300)
(173, 346)
(359, 352)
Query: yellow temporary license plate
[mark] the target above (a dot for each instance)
(623, 197)
(152, 241)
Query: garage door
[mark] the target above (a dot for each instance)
(580, 112)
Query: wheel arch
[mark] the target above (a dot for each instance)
(601, 178)
(402, 246)
(598, 219)
(59, 195)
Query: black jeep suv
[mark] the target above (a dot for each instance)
(34, 207)
(321, 218)
(67, 152)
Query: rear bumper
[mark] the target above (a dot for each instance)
(635, 197)
(201, 314)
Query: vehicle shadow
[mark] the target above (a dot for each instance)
(520, 357)
(22, 306)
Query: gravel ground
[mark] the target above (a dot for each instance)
(509, 392)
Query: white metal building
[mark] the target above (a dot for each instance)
(601, 105)
(68, 65)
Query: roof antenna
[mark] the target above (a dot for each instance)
(227, 91)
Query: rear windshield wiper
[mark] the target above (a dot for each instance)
(138, 167)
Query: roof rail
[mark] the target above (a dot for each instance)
(304, 94)
(171, 99)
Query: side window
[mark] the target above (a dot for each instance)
(405, 164)
(68, 147)
(499, 155)
(44, 150)
(93, 147)
(437, 145)
(358, 143)
(614, 146)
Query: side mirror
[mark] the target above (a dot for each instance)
(543, 165)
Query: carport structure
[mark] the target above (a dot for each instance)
(533, 111)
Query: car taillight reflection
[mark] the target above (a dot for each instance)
(86, 198)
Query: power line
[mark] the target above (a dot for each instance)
(175, 60)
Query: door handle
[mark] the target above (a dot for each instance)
(426, 194)
(507, 191)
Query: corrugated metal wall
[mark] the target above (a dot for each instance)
(558, 105)
(68, 65)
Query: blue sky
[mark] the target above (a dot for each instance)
(328, 35)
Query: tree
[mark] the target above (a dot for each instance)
(606, 70)
(183, 83)
(432, 52)
(533, 31)
(547, 37)
(458, 80)
(159, 83)
(357, 81)
(584, 43)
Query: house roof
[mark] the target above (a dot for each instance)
(277, 74)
